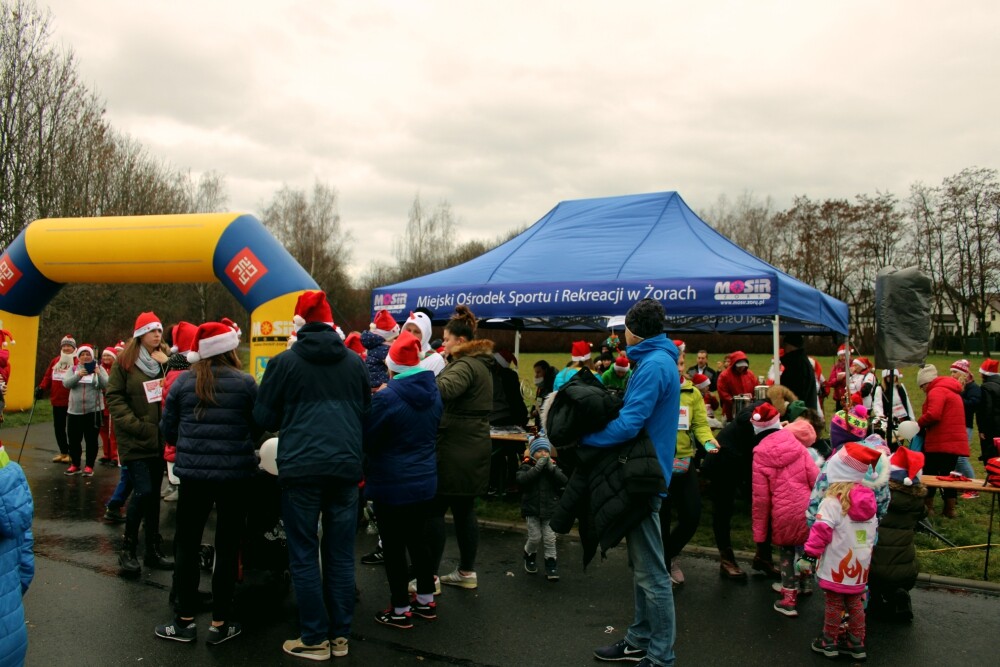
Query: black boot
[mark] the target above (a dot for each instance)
(154, 555)
(127, 560)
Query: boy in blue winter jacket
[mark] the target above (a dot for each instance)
(400, 441)
(17, 560)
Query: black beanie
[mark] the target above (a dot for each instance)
(645, 318)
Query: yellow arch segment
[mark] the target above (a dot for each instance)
(21, 390)
(174, 248)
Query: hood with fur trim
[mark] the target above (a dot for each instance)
(477, 347)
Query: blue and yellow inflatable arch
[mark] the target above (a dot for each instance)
(233, 248)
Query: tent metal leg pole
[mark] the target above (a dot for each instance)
(775, 363)
(517, 344)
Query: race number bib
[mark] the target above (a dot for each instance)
(58, 376)
(87, 379)
(684, 422)
(899, 411)
(154, 391)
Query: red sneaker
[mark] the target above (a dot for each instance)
(88, 471)
(72, 470)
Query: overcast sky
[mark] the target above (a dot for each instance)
(506, 108)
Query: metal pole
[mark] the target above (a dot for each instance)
(517, 347)
(775, 362)
(26, 428)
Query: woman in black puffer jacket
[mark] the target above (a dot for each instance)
(208, 415)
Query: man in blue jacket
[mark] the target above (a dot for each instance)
(317, 395)
(652, 402)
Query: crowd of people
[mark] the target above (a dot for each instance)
(392, 417)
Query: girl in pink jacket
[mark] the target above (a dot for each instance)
(842, 539)
(783, 477)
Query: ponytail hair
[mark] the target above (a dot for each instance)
(462, 324)
(842, 492)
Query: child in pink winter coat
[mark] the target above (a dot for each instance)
(783, 478)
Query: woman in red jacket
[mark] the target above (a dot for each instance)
(942, 421)
(52, 382)
(735, 380)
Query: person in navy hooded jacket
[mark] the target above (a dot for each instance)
(652, 403)
(400, 441)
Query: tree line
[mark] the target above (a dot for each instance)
(950, 231)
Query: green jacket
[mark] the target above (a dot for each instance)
(692, 399)
(463, 441)
(136, 421)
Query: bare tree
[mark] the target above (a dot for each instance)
(309, 228)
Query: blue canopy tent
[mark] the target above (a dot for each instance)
(589, 259)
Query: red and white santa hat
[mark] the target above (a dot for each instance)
(86, 347)
(119, 346)
(384, 325)
(312, 307)
(851, 463)
(353, 342)
(862, 363)
(404, 354)
(679, 344)
(580, 351)
(621, 364)
(183, 335)
(842, 350)
(110, 350)
(212, 339)
(7, 337)
(765, 417)
(145, 323)
(701, 381)
(989, 367)
(906, 466)
(895, 371)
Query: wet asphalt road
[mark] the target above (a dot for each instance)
(80, 612)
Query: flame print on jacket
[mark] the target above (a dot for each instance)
(852, 571)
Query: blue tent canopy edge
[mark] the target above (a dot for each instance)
(590, 259)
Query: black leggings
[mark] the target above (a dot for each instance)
(83, 428)
(936, 463)
(403, 528)
(463, 509)
(144, 506)
(195, 501)
(59, 413)
(684, 498)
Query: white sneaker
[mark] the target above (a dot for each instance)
(172, 496)
(676, 576)
(412, 588)
(456, 578)
(338, 647)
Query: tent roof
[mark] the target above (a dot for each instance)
(593, 258)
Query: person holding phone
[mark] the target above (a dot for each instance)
(86, 383)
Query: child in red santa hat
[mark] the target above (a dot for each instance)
(579, 355)
(381, 332)
(839, 549)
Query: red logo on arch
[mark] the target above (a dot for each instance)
(9, 274)
(245, 270)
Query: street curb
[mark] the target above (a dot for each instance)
(924, 580)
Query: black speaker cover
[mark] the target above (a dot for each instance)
(902, 317)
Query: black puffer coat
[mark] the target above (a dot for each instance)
(215, 443)
(540, 486)
(894, 559)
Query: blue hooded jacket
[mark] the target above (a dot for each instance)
(401, 440)
(652, 401)
(17, 560)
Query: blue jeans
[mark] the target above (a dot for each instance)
(302, 507)
(963, 465)
(123, 490)
(653, 627)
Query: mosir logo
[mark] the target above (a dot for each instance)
(392, 302)
(740, 292)
(9, 274)
(245, 270)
